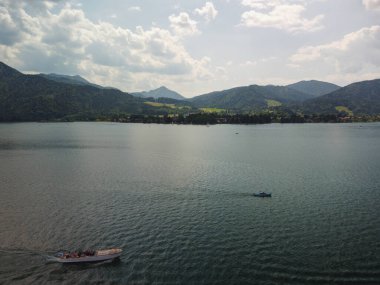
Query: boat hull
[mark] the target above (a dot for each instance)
(262, 195)
(87, 259)
(102, 255)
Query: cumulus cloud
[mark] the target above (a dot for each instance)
(355, 53)
(279, 14)
(259, 4)
(64, 40)
(9, 33)
(208, 11)
(372, 4)
(183, 25)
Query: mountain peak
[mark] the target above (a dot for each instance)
(160, 92)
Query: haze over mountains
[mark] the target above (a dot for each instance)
(50, 97)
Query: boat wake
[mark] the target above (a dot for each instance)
(21, 251)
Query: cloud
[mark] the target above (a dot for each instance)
(357, 52)
(9, 33)
(372, 4)
(279, 14)
(183, 25)
(259, 4)
(208, 11)
(64, 40)
(265, 4)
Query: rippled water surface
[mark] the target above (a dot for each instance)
(178, 200)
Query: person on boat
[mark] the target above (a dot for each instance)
(89, 252)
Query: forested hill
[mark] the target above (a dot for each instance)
(314, 87)
(76, 79)
(35, 98)
(249, 98)
(361, 98)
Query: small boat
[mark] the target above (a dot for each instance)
(86, 256)
(262, 194)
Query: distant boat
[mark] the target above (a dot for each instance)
(86, 256)
(262, 194)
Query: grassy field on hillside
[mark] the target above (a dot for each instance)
(344, 109)
(212, 110)
(161, 105)
(273, 103)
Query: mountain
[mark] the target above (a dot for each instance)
(250, 98)
(358, 98)
(314, 87)
(75, 79)
(35, 98)
(161, 92)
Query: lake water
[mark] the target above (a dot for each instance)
(178, 200)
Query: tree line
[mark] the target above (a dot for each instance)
(260, 118)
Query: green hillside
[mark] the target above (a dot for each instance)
(361, 98)
(250, 98)
(314, 87)
(35, 98)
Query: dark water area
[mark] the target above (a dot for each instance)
(178, 201)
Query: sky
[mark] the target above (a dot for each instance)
(193, 47)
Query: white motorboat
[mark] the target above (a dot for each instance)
(86, 256)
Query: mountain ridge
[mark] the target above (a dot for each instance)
(249, 98)
(26, 97)
(314, 87)
(71, 79)
(360, 98)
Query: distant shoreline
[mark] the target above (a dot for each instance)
(192, 123)
(214, 118)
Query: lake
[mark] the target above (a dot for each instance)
(178, 201)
